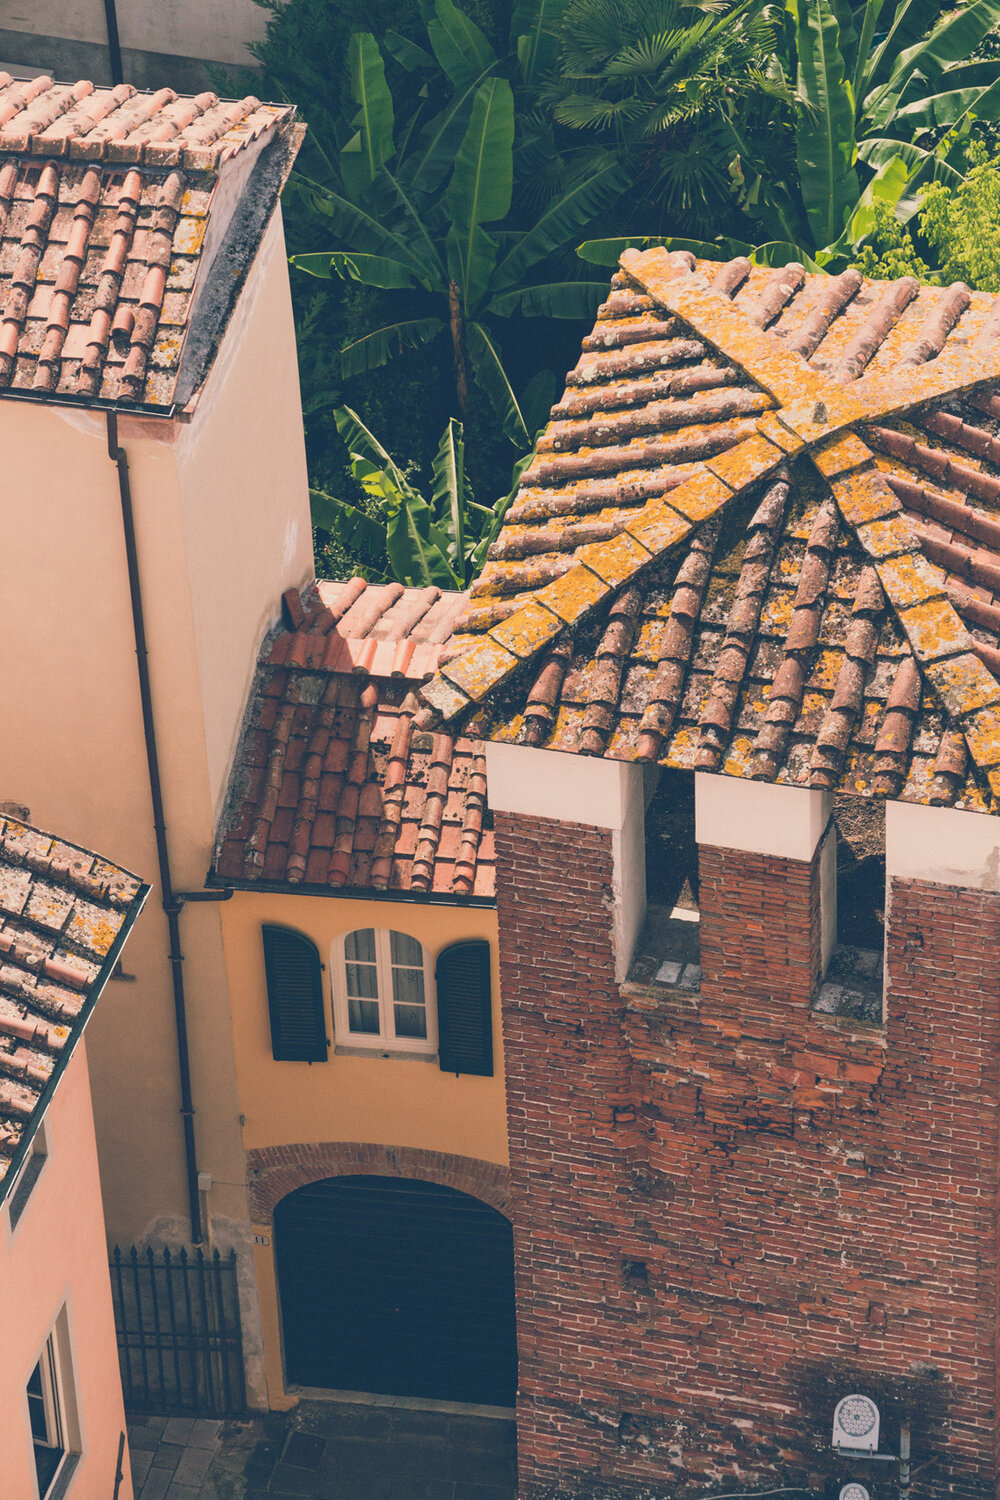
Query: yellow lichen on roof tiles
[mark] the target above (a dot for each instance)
(909, 580)
(888, 538)
(574, 594)
(700, 496)
(864, 496)
(659, 527)
(934, 631)
(963, 684)
(530, 628)
(480, 669)
(842, 453)
(751, 459)
(615, 561)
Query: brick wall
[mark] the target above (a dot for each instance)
(729, 1211)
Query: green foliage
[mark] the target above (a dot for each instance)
(659, 80)
(400, 533)
(418, 200)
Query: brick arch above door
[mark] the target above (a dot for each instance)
(275, 1171)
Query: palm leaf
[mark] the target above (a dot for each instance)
(439, 139)
(494, 381)
(825, 127)
(382, 344)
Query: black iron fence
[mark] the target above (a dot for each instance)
(177, 1317)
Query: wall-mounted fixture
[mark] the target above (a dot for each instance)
(856, 1423)
(854, 1491)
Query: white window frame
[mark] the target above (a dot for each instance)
(386, 1041)
(59, 1404)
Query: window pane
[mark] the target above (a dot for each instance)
(36, 1406)
(362, 981)
(408, 986)
(405, 950)
(411, 1020)
(360, 945)
(363, 1016)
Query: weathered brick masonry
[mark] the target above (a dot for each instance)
(729, 1211)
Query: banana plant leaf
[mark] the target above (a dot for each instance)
(571, 211)
(372, 143)
(354, 529)
(495, 382)
(825, 141)
(500, 510)
(534, 34)
(452, 494)
(349, 265)
(374, 349)
(480, 188)
(552, 299)
(458, 44)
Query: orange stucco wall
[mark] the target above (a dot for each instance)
(57, 1257)
(383, 1100)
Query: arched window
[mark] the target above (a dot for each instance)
(383, 992)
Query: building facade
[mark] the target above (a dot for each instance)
(739, 635)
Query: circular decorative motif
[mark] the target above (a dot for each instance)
(854, 1492)
(857, 1416)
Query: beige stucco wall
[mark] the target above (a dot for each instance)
(381, 1100)
(222, 521)
(217, 30)
(57, 1257)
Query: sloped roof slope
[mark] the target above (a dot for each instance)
(760, 536)
(111, 219)
(333, 788)
(64, 915)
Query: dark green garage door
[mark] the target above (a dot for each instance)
(398, 1287)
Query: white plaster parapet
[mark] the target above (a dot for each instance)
(583, 789)
(943, 845)
(757, 817)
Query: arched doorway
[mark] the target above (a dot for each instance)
(396, 1286)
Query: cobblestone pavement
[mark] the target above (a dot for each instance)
(325, 1450)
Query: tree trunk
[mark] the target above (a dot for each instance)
(458, 345)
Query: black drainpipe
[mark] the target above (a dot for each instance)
(114, 45)
(171, 903)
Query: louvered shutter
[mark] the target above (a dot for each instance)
(294, 996)
(465, 1020)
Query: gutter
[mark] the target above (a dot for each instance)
(170, 900)
(114, 44)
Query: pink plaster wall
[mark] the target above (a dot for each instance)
(57, 1256)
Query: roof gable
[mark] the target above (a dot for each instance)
(333, 789)
(699, 406)
(114, 206)
(64, 914)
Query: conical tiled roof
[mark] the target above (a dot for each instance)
(760, 536)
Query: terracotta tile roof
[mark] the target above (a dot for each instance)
(332, 786)
(64, 914)
(760, 536)
(106, 197)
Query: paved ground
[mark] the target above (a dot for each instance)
(325, 1450)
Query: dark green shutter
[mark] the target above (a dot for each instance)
(294, 996)
(465, 1019)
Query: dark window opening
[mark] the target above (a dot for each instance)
(669, 946)
(860, 827)
(852, 985)
(671, 850)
